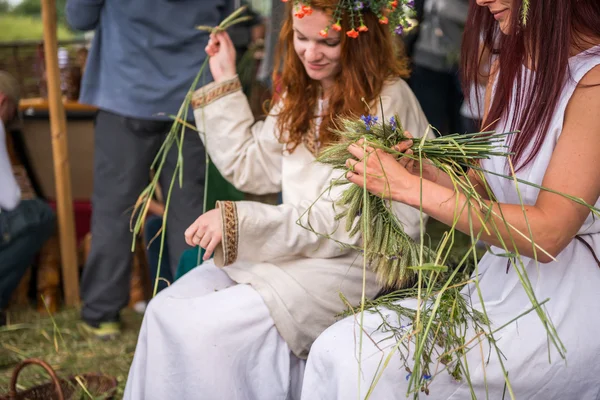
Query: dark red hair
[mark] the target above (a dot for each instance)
(555, 30)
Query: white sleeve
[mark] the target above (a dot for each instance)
(246, 152)
(10, 194)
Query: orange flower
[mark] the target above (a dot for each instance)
(394, 4)
(284, 1)
(307, 10)
(383, 20)
(352, 33)
(336, 27)
(363, 28)
(300, 14)
(323, 33)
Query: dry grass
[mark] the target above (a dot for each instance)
(70, 352)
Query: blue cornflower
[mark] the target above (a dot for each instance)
(393, 123)
(426, 377)
(408, 376)
(369, 121)
(358, 5)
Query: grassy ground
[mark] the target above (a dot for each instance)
(67, 348)
(17, 27)
(71, 352)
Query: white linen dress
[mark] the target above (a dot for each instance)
(572, 283)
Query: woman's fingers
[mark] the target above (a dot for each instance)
(205, 241)
(225, 43)
(190, 232)
(406, 161)
(198, 236)
(211, 248)
(224, 37)
(355, 166)
(359, 150)
(194, 234)
(212, 47)
(355, 178)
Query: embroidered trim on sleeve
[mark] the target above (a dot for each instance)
(206, 95)
(230, 231)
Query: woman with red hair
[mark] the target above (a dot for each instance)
(545, 83)
(240, 327)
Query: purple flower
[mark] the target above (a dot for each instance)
(358, 5)
(369, 121)
(393, 123)
(426, 377)
(398, 30)
(408, 376)
(410, 3)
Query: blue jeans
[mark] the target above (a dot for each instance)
(23, 232)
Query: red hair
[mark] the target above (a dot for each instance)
(367, 62)
(549, 37)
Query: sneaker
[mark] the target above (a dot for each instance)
(104, 330)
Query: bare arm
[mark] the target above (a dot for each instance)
(553, 220)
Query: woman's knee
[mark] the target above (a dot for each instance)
(335, 346)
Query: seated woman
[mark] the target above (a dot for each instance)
(546, 83)
(243, 331)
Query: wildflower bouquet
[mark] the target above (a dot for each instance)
(390, 252)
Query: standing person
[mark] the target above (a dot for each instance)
(546, 83)
(244, 330)
(26, 224)
(435, 78)
(142, 62)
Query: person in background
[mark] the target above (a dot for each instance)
(25, 224)
(434, 79)
(142, 61)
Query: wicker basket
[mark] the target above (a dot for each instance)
(100, 386)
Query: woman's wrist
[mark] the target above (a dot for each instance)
(409, 193)
(225, 77)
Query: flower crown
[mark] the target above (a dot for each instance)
(394, 11)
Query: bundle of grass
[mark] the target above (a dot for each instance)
(390, 252)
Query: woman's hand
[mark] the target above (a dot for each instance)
(385, 176)
(206, 232)
(429, 172)
(222, 56)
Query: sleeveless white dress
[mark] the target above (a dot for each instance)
(572, 283)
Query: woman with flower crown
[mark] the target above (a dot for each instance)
(545, 82)
(241, 326)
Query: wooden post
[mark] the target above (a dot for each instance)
(60, 155)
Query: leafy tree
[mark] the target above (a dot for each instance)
(33, 8)
(4, 6)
